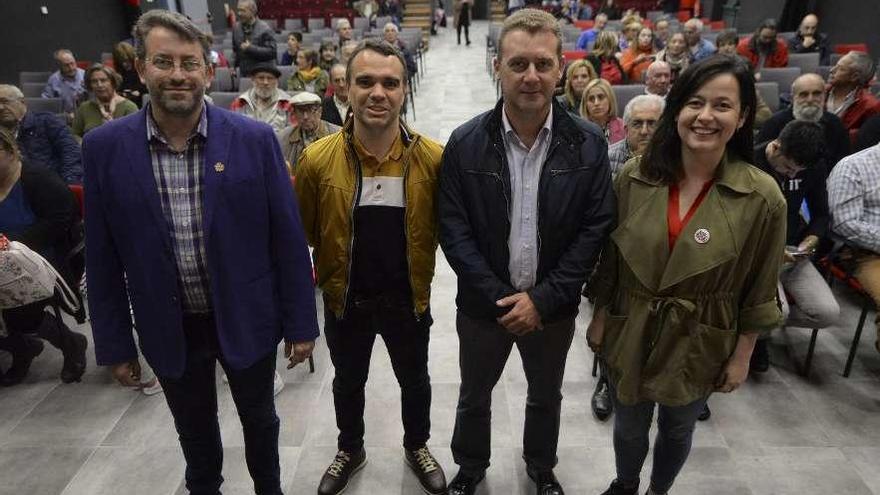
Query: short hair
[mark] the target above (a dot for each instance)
(695, 23)
(342, 22)
(296, 34)
(532, 21)
(310, 55)
(864, 67)
(569, 72)
(335, 67)
(662, 158)
(112, 75)
(605, 87)
(392, 26)
(606, 45)
(327, 44)
(173, 21)
(727, 37)
(381, 47)
(602, 15)
(123, 52)
(808, 75)
(13, 91)
(658, 21)
(62, 51)
(251, 4)
(642, 100)
(655, 64)
(9, 144)
(802, 142)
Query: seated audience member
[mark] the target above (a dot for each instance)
(392, 36)
(584, 10)
(675, 54)
(639, 56)
(808, 97)
(66, 83)
(661, 33)
(727, 42)
(308, 129)
(344, 32)
(698, 47)
(218, 59)
(795, 160)
(599, 106)
(854, 199)
(265, 101)
(869, 134)
(38, 210)
(106, 105)
(294, 40)
(309, 76)
(609, 9)
(42, 137)
(131, 86)
(639, 117)
(658, 79)
(328, 55)
(604, 58)
(577, 75)
(631, 27)
(848, 95)
(808, 39)
(763, 49)
(588, 37)
(335, 109)
(253, 41)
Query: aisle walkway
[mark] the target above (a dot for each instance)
(780, 435)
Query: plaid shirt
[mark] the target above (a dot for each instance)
(179, 176)
(854, 199)
(618, 154)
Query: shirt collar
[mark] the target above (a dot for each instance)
(153, 130)
(509, 132)
(395, 153)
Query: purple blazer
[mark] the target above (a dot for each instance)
(261, 275)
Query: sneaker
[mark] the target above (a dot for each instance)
(618, 488)
(427, 470)
(277, 384)
(149, 383)
(343, 467)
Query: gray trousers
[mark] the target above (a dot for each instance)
(807, 301)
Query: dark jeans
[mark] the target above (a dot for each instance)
(675, 431)
(351, 344)
(467, 34)
(484, 347)
(192, 399)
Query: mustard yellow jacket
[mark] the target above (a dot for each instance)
(328, 184)
(674, 316)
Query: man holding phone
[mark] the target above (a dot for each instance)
(794, 159)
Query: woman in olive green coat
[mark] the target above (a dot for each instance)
(688, 279)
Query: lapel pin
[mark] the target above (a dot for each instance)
(702, 236)
(219, 167)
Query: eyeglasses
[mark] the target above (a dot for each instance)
(646, 124)
(167, 64)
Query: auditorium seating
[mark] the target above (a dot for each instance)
(37, 104)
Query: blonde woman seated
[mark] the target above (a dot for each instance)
(101, 82)
(599, 106)
(577, 75)
(604, 58)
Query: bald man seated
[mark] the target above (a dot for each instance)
(809, 40)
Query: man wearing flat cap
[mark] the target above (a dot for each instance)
(265, 101)
(308, 129)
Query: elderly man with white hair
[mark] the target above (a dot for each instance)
(392, 35)
(658, 79)
(848, 95)
(344, 32)
(698, 46)
(253, 41)
(639, 117)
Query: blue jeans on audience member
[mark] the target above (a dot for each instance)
(675, 431)
(192, 399)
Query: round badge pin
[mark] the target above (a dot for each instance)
(702, 236)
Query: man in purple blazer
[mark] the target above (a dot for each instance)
(192, 217)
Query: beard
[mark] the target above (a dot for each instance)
(807, 112)
(264, 93)
(180, 107)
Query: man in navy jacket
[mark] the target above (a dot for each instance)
(192, 218)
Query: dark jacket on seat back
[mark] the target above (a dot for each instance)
(575, 214)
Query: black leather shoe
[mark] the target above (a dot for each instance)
(21, 362)
(601, 402)
(760, 361)
(546, 482)
(618, 488)
(464, 484)
(427, 470)
(343, 467)
(74, 358)
(705, 414)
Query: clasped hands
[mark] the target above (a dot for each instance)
(523, 317)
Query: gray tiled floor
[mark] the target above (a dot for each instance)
(780, 435)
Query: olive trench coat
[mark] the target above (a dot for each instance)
(674, 317)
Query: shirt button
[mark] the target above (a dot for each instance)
(181, 190)
(378, 186)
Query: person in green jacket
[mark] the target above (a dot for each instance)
(688, 279)
(101, 81)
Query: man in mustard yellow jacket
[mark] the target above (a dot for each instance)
(368, 203)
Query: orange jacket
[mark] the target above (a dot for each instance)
(634, 71)
(779, 57)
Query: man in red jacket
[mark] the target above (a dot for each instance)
(763, 49)
(848, 96)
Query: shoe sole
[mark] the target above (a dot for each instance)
(415, 470)
(350, 476)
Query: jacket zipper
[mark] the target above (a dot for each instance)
(354, 202)
(541, 182)
(412, 289)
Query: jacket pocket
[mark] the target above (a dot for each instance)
(613, 339)
(710, 348)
